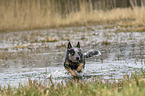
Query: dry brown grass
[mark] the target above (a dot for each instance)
(32, 15)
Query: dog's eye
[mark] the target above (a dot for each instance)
(79, 53)
(72, 52)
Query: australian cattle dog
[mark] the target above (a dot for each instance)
(75, 58)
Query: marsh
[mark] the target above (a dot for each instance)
(38, 54)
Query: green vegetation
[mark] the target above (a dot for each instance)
(35, 14)
(128, 86)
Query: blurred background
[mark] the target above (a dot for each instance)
(38, 14)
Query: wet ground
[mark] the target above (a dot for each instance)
(38, 54)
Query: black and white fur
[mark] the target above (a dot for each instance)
(75, 58)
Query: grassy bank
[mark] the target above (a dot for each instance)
(27, 15)
(127, 86)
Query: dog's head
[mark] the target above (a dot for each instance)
(74, 54)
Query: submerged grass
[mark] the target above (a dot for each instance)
(133, 86)
(35, 14)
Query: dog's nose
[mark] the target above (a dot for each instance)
(77, 58)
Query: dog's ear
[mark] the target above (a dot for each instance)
(69, 45)
(78, 45)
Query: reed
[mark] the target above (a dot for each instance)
(36, 14)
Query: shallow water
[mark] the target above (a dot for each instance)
(38, 54)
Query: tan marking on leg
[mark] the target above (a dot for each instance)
(80, 66)
(67, 63)
(71, 72)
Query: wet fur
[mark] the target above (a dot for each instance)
(75, 58)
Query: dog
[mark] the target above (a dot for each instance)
(75, 58)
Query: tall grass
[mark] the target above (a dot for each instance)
(127, 86)
(35, 14)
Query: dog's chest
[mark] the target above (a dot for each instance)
(73, 65)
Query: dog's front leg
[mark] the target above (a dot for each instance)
(71, 72)
(80, 66)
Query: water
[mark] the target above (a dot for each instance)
(38, 54)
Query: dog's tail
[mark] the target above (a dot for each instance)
(92, 53)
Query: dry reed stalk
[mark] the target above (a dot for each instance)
(22, 15)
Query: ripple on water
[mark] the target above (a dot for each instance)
(34, 54)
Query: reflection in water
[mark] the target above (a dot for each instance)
(37, 55)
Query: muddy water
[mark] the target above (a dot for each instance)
(38, 54)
